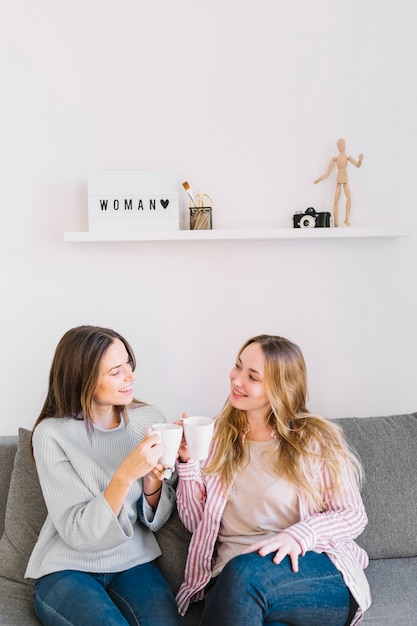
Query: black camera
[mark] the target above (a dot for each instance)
(311, 219)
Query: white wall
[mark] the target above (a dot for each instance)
(246, 101)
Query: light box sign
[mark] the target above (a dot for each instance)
(133, 201)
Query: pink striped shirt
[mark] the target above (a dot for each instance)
(201, 501)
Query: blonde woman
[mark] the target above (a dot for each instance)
(275, 508)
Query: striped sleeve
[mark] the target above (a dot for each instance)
(191, 494)
(339, 522)
(200, 553)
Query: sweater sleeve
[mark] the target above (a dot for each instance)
(73, 508)
(156, 519)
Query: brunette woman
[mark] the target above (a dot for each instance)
(98, 468)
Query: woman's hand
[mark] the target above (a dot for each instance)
(283, 544)
(183, 449)
(157, 473)
(152, 484)
(141, 462)
(143, 459)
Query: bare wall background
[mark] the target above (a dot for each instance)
(245, 101)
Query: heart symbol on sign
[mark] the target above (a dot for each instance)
(165, 203)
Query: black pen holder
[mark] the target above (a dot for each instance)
(200, 218)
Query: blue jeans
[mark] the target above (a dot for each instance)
(253, 591)
(139, 595)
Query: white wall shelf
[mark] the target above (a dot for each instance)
(229, 234)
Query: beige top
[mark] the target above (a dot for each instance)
(260, 504)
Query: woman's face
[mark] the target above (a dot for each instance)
(115, 381)
(247, 382)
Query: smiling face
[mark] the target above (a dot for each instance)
(116, 377)
(247, 382)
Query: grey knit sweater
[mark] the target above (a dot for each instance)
(81, 532)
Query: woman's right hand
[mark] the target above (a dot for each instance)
(144, 457)
(137, 464)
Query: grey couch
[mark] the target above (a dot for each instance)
(388, 449)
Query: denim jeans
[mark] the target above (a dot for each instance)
(253, 591)
(139, 595)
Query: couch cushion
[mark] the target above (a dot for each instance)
(16, 604)
(7, 455)
(394, 599)
(387, 449)
(25, 513)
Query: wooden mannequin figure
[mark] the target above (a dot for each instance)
(341, 160)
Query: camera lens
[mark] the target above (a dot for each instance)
(308, 221)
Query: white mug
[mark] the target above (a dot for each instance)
(170, 435)
(198, 432)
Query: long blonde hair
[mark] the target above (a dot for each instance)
(305, 443)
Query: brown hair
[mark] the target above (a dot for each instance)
(74, 373)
